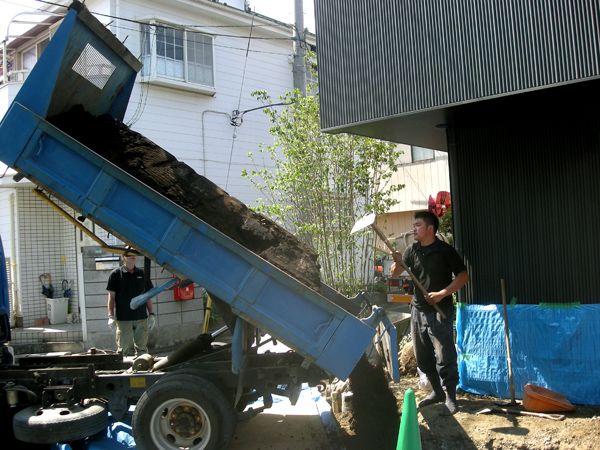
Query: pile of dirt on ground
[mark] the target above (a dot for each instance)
(161, 171)
(374, 420)
(466, 430)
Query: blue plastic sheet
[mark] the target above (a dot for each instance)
(557, 348)
(118, 436)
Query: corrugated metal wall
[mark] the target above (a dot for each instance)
(380, 58)
(529, 205)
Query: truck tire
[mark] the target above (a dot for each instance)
(183, 410)
(59, 424)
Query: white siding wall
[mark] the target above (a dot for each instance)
(196, 127)
(421, 178)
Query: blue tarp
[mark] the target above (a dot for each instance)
(118, 436)
(553, 346)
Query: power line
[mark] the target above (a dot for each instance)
(134, 30)
(239, 102)
(179, 26)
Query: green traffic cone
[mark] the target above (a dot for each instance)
(408, 436)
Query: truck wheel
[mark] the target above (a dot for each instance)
(59, 424)
(183, 410)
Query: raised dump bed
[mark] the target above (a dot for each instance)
(85, 64)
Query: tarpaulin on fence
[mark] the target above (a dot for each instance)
(555, 346)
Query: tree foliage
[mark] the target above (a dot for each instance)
(320, 184)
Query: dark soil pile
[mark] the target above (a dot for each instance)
(467, 430)
(161, 171)
(375, 418)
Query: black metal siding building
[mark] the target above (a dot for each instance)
(510, 89)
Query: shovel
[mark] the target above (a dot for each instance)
(522, 413)
(46, 291)
(369, 220)
(511, 383)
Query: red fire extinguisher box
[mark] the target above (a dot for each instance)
(183, 293)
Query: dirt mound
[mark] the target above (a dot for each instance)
(407, 360)
(374, 420)
(467, 430)
(161, 171)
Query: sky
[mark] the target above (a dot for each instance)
(9, 8)
(282, 10)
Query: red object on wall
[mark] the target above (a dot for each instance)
(184, 293)
(440, 204)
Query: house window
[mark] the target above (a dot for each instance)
(177, 57)
(30, 56)
(421, 153)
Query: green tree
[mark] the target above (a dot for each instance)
(446, 227)
(321, 184)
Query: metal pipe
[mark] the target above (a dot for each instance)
(138, 301)
(197, 346)
(14, 259)
(67, 216)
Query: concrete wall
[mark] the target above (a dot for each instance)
(176, 321)
(44, 238)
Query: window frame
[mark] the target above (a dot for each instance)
(38, 46)
(153, 77)
(412, 154)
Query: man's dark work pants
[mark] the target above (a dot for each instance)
(430, 333)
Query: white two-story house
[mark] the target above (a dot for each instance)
(202, 59)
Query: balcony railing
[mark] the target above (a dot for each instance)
(15, 76)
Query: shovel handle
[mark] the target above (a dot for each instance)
(545, 416)
(523, 413)
(405, 267)
(534, 414)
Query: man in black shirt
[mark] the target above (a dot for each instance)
(131, 325)
(434, 262)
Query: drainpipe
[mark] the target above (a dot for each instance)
(16, 306)
(82, 313)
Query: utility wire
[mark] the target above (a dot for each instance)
(274, 25)
(179, 26)
(134, 30)
(183, 26)
(239, 102)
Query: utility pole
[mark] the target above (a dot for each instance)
(299, 68)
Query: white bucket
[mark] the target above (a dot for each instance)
(57, 309)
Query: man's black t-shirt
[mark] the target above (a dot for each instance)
(126, 286)
(433, 266)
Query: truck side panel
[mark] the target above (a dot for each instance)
(257, 291)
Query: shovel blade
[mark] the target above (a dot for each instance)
(365, 222)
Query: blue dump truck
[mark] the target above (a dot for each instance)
(194, 397)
